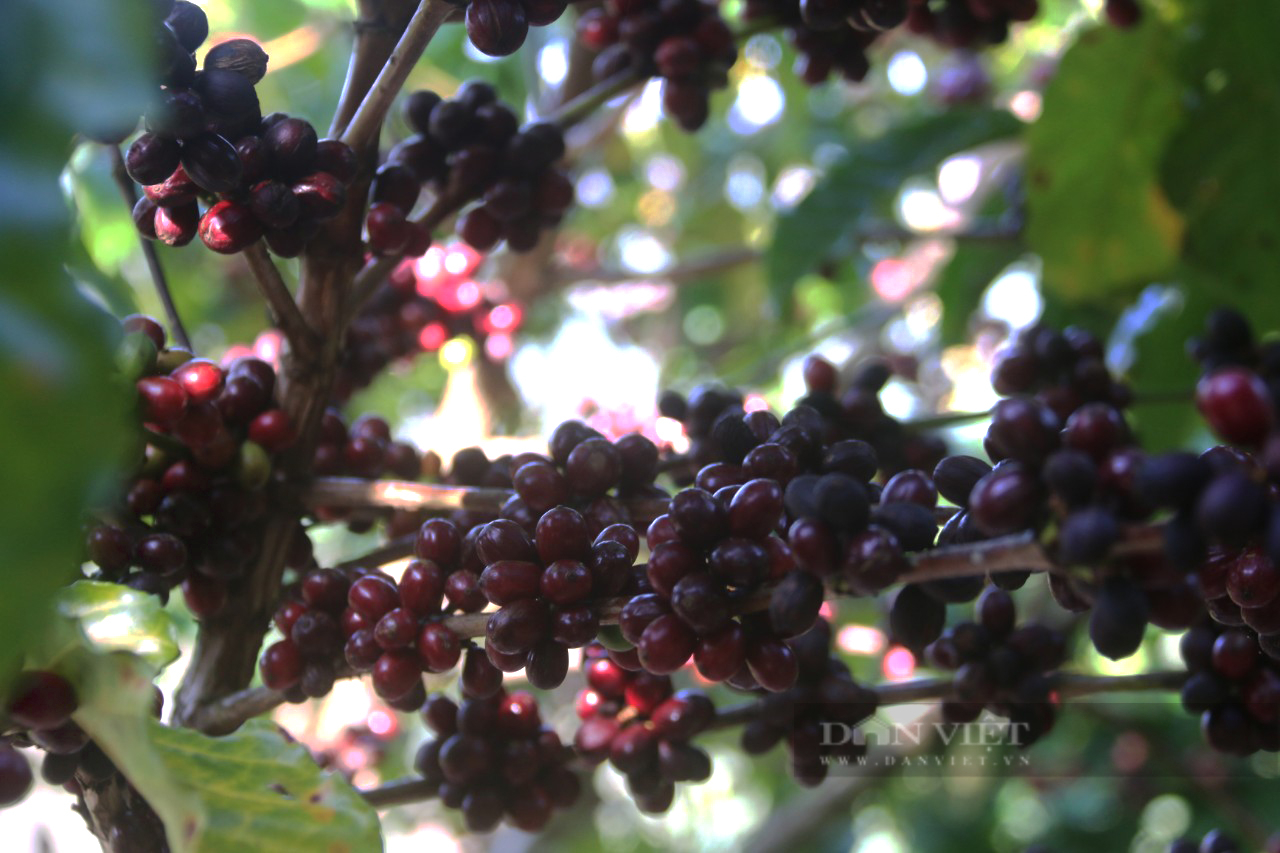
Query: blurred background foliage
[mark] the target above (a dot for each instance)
(1120, 180)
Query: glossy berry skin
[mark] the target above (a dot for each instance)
(438, 647)
(15, 775)
(496, 27)
(373, 597)
(389, 230)
(229, 227)
(151, 158)
(164, 400)
(1253, 580)
(212, 163)
(396, 673)
(1235, 653)
(200, 378)
(273, 429)
(41, 700)
(281, 665)
(1005, 501)
(1235, 403)
(439, 541)
(666, 645)
(177, 225)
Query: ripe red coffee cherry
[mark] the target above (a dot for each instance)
(229, 227)
(1236, 404)
(200, 378)
(389, 230)
(164, 400)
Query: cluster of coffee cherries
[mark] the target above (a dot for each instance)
(1064, 451)
(364, 449)
(313, 620)
(1233, 686)
(1000, 666)
(471, 148)
(207, 140)
(191, 512)
(834, 35)
(1223, 520)
(684, 42)
(421, 307)
(707, 553)
(499, 27)
(369, 622)
(824, 34)
(493, 758)
(855, 412)
(824, 693)
(637, 722)
(713, 419)
(585, 469)
(544, 586)
(39, 708)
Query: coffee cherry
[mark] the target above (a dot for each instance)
(320, 195)
(291, 148)
(189, 23)
(1119, 618)
(337, 159)
(15, 775)
(212, 162)
(229, 227)
(243, 56)
(389, 231)
(177, 226)
(1235, 403)
(41, 700)
(151, 158)
(497, 27)
(274, 204)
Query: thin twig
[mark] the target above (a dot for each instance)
(149, 253)
(284, 310)
(691, 270)
(946, 419)
(575, 110)
(373, 108)
(978, 233)
(400, 792)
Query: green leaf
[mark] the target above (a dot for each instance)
(67, 66)
(252, 790)
(965, 278)
(865, 184)
(116, 618)
(1096, 213)
(1220, 168)
(258, 792)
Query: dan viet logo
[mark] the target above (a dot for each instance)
(990, 742)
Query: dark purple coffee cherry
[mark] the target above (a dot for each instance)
(497, 27)
(152, 158)
(291, 148)
(212, 162)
